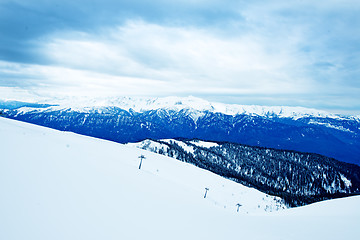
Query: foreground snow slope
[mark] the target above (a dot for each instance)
(59, 185)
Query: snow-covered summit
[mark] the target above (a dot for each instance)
(190, 103)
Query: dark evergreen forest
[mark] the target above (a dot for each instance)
(299, 178)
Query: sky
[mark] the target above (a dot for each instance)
(293, 53)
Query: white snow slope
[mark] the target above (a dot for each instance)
(59, 185)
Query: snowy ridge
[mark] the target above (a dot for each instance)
(193, 104)
(59, 185)
(204, 144)
(223, 194)
(340, 128)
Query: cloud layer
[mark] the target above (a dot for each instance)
(269, 53)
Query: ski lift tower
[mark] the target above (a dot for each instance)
(141, 158)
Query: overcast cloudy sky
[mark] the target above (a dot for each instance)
(297, 53)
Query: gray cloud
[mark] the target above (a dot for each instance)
(299, 53)
(23, 22)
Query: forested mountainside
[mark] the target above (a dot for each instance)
(299, 178)
(130, 121)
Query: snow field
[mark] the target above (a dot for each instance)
(59, 185)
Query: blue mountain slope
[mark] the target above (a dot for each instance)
(336, 137)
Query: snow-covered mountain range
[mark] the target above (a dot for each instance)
(135, 119)
(60, 185)
(137, 104)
